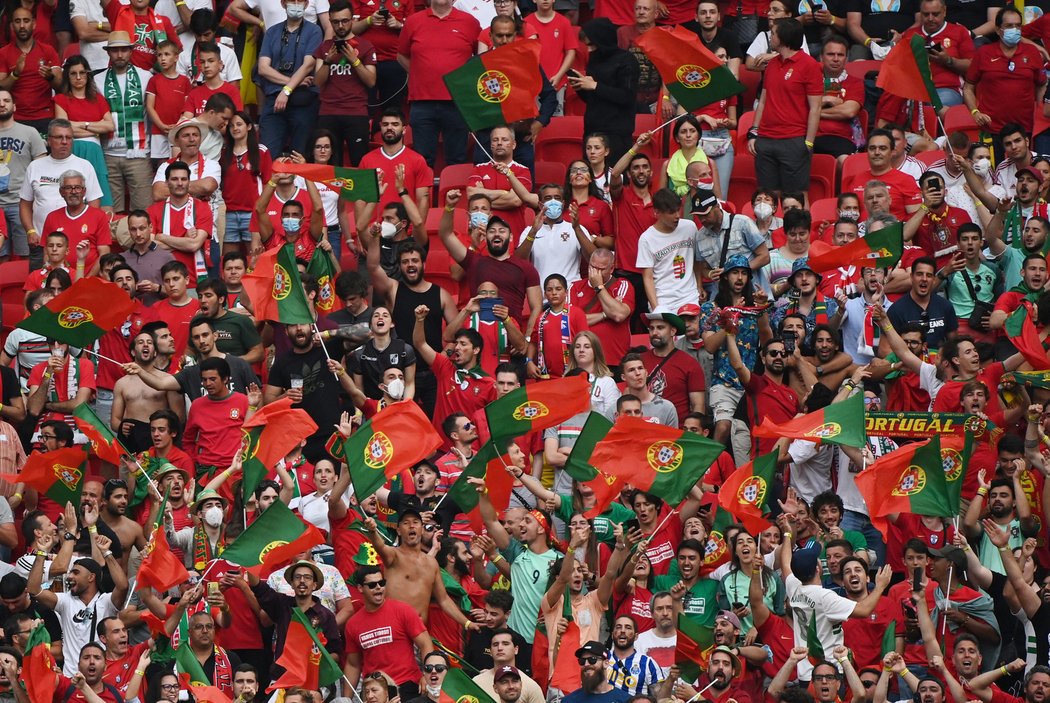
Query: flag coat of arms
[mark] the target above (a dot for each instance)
(499, 86)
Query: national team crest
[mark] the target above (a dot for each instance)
(467, 699)
(825, 431)
(530, 410)
(912, 481)
(249, 445)
(282, 283)
(69, 475)
(692, 76)
(326, 296)
(664, 456)
(73, 317)
(715, 548)
(752, 492)
(952, 462)
(493, 86)
(379, 451)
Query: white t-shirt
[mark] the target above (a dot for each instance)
(41, 185)
(556, 250)
(659, 649)
(671, 258)
(78, 621)
(231, 67)
(760, 45)
(812, 601)
(272, 13)
(929, 382)
(810, 467)
(97, 58)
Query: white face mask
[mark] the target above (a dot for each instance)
(295, 10)
(763, 210)
(434, 691)
(396, 389)
(982, 166)
(849, 215)
(387, 230)
(213, 516)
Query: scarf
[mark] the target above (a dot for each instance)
(981, 607)
(72, 372)
(476, 323)
(202, 551)
(566, 340)
(1014, 225)
(129, 108)
(819, 310)
(223, 677)
(189, 222)
(869, 333)
(833, 86)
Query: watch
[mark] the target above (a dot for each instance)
(69, 536)
(402, 193)
(820, 370)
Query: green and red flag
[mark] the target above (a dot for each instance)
(458, 687)
(905, 72)
(38, 667)
(104, 444)
(160, 568)
(324, 271)
(538, 406)
(351, 183)
(82, 313)
(716, 548)
(839, 423)
(307, 664)
(606, 486)
(59, 474)
(499, 86)
(565, 675)
(1020, 330)
(395, 439)
(275, 289)
(193, 679)
(879, 249)
(908, 480)
(692, 647)
(489, 463)
(269, 435)
(664, 461)
(692, 74)
(747, 492)
(275, 538)
(955, 457)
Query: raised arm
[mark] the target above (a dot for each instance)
(456, 249)
(419, 340)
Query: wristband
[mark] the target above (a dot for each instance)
(251, 407)
(356, 63)
(974, 111)
(867, 42)
(140, 672)
(92, 529)
(808, 144)
(632, 151)
(752, 133)
(1003, 549)
(449, 209)
(787, 535)
(497, 559)
(982, 491)
(30, 231)
(1004, 670)
(369, 20)
(16, 494)
(287, 91)
(271, 183)
(667, 98)
(107, 554)
(39, 553)
(99, 26)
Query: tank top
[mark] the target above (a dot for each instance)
(404, 316)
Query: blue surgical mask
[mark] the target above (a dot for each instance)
(553, 209)
(290, 224)
(295, 10)
(478, 219)
(1012, 36)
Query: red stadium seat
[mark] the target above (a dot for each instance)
(561, 140)
(822, 182)
(751, 80)
(854, 163)
(742, 125)
(744, 180)
(929, 158)
(549, 172)
(13, 275)
(959, 119)
(453, 177)
(459, 221)
(861, 69)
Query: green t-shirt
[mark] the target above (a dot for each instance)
(616, 513)
(528, 582)
(700, 603)
(234, 333)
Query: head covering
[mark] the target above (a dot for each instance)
(802, 265)
(207, 494)
(505, 671)
(189, 122)
(90, 565)
(119, 40)
(367, 555)
(736, 261)
(167, 468)
(303, 563)
(496, 220)
(593, 647)
(730, 617)
(703, 200)
(734, 658)
(668, 317)
(689, 310)
(601, 32)
(953, 554)
(1031, 171)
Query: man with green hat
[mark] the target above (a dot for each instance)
(205, 539)
(672, 374)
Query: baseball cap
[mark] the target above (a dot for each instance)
(505, 671)
(703, 201)
(1031, 171)
(953, 554)
(594, 648)
(690, 310)
(730, 617)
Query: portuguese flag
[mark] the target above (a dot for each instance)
(38, 667)
(104, 444)
(908, 480)
(394, 439)
(881, 249)
(955, 457)
(83, 313)
(716, 549)
(692, 74)
(269, 434)
(490, 464)
(538, 406)
(306, 662)
(458, 686)
(160, 568)
(59, 474)
(838, 423)
(664, 461)
(905, 72)
(692, 648)
(499, 86)
(1020, 330)
(276, 290)
(748, 491)
(578, 463)
(193, 679)
(275, 537)
(324, 272)
(352, 183)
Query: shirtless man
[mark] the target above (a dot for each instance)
(114, 514)
(410, 572)
(134, 401)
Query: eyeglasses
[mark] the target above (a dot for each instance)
(169, 687)
(429, 528)
(375, 584)
(578, 169)
(775, 353)
(323, 146)
(868, 684)
(203, 626)
(75, 189)
(435, 668)
(825, 677)
(467, 425)
(872, 401)
(302, 577)
(48, 436)
(588, 661)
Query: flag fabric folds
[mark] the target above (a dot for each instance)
(1021, 331)
(104, 444)
(748, 491)
(59, 474)
(905, 72)
(275, 289)
(82, 313)
(351, 183)
(880, 249)
(394, 439)
(908, 480)
(538, 406)
(838, 423)
(269, 435)
(324, 272)
(693, 75)
(499, 86)
(306, 662)
(274, 538)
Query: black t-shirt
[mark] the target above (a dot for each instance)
(370, 363)
(938, 318)
(241, 376)
(722, 38)
(36, 610)
(880, 16)
(971, 13)
(322, 395)
(9, 384)
(476, 653)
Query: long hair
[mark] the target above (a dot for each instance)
(724, 296)
(90, 91)
(319, 134)
(226, 159)
(601, 368)
(592, 187)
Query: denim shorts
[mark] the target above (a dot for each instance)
(237, 227)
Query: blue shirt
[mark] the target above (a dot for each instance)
(580, 695)
(634, 675)
(938, 318)
(746, 342)
(287, 50)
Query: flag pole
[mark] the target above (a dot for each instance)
(324, 348)
(100, 356)
(696, 696)
(353, 690)
(483, 149)
(664, 522)
(131, 591)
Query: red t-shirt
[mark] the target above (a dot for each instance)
(119, 672)
(178, 318)
(464, 395)
(950, 395)
(91, 224)
(147, 31)
(344, 93)
(384, 639)
(633, 216)
(636, 605)
(82, 109)
(776, 634)
(788, 84)
(614, 336)
(245, 634)
(304, 244)
(199, 96)
(170, 94)
(86, 379)
(32, 93)
(492, 333)
(864, 636)
(175, 225)
(417, 173)
(241, 187)
(383, 38)
(679, 376)
(664, 543)
(1006, 85)
(768, 400)
(65, 684)
(940, 239)
(899, 597)
(557, 38)
(114, 344)
(955, 41)
(436, 45)
(907, 526)
(903, 189)
(512, 276)
(486, 176)
(849, 88)
(213, 429)
(36, 278)
(553, 335)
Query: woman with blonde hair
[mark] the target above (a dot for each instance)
(587, 355)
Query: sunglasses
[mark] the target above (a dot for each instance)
(588, 661)
(868, 684)
(435, 668)
(775, 353)
(375, 675)
(375, 584)
(825, 677)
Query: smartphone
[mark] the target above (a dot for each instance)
(916, 580)
(737, 606)
(631, 524)
(486, 314)
(789, 342)
(817, 6)
(339, 44)
(213, 588)
(575, 73)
